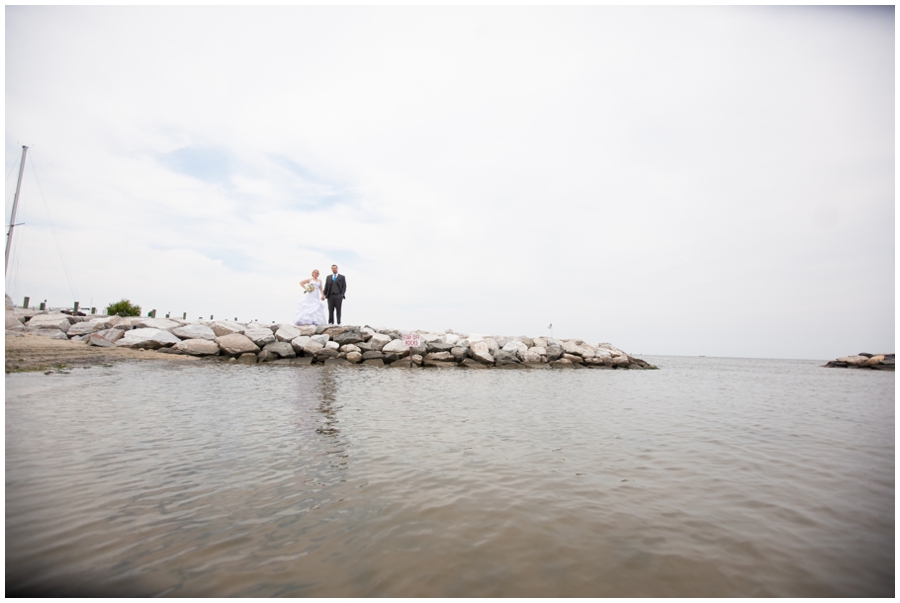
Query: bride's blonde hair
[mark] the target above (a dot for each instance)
(314, 271)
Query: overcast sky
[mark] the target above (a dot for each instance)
(709, 180)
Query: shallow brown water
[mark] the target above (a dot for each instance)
(710, 477)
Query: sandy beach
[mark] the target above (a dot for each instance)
(30, 352)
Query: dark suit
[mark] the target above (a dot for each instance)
(334, 292)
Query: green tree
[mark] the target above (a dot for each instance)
(123, 308)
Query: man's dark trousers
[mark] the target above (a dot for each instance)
(334, 303)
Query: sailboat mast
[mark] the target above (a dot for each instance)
(12, 218)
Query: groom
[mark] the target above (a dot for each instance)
(335, 288)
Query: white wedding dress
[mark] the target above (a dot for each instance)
(311, 310)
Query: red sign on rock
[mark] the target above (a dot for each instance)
(411, 339)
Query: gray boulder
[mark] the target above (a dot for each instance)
(554, 352)
(307, 345)
(505, 357)
(514, 346)
(112, 334)
(226, 327)
(99, 341)
(287, 333)
(147, 338)
(235, 343)
(396, 346)
(282, 349)
(469, 363)
(195, 331)
(530, 356)
(196, 347)
(163, 324)
(325, 353)
(348, 337)
(378, 341)
(437, 346)
(13, 323)
(50, 321)
(259, 336)
(481, 352)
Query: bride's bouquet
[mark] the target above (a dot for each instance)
(308, 288)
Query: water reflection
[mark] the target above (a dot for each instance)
(287, 481)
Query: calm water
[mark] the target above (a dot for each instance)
(718, 477)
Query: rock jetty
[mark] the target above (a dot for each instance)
(320, 344)
(864, 360)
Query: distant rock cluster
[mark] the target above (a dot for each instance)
(322, 344)
(878, 362)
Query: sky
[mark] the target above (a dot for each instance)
(709, 180)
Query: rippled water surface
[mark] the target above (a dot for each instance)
(718, 477)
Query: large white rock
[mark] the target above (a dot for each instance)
(97, 340)
(197, 347)
(539, 342)
(853, 360)
(540, 351)
(156, 323)
(287, 333)
(150, 339)
(311, 346)
(50, 321)
(308, 330)
(570, 347)
(530, 356)
(112, 334)
(608, 346)
(332, 345)
(481, 352)
(429, 337)
(196, 331)
(236, 343)
(282, 349)
(80, 328)
(515, 346)
(395, 346)
(226, 327)
(321, 338)
(493, 348)
(260, 336)
(379, 340)
(89, 326)
(348, 348)
(451, 338)
(13, 323)
(298, 342)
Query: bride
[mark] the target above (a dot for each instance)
(310, 311)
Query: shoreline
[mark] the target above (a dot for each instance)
(42, 340)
